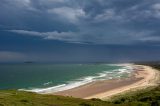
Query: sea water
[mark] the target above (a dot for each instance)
(46, 78)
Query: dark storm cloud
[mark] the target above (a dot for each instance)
(91, 21)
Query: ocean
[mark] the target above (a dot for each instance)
(46, 78)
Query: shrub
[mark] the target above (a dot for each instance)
(147, 98)
(84, 104)
(154, 103)
(96, 99)
(23, 100)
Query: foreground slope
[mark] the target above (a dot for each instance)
(20, 98)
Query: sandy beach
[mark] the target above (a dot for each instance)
(142, 77)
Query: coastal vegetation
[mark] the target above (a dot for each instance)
(21, 98)
(146, 97)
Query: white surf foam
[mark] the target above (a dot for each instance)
(47, 83)
(62, 87)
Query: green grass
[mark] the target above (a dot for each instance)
(147, 97)
(21, 98)
(150, 97)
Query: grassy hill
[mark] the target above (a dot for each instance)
(21, 98)
(148, 97)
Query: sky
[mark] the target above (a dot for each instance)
(79, 30)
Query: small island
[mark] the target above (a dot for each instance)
(29, 62)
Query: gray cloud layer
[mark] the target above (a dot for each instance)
(91, 21)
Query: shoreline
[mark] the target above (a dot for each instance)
(142, 77)
(120, 71)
